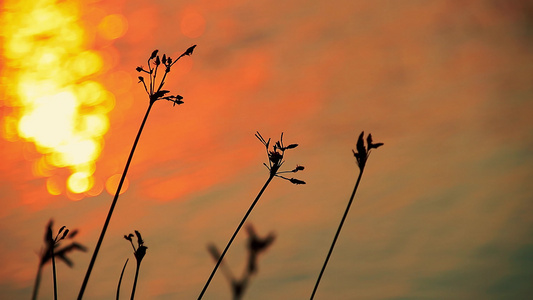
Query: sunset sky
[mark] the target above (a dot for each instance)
(444, 209)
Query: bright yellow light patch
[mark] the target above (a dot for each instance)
(46, 64)
(86, 63)
(49, 121)
(79, 182)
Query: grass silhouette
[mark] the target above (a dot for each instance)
(120, 279)
(275, 161)
(155, 92)
(361, 156)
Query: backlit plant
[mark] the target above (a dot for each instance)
(155, 92)
(361, 157)
(275, 161)
(52, 250)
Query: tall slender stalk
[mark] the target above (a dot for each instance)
(54, 272)
(139, 254)
(361, 156)
(235, 234)
(135, 280)
(275, 161)
(112, 208)
(153, 96)
(337, 233)
(49, 254)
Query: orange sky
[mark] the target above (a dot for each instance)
(443, 208)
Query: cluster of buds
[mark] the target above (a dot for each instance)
(362, 153)
(53, 242)
(275, 158)
(256, 245)
(140, 251)
(154, 90)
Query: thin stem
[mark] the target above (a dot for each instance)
(121, 275)
(166, 72)
(235, 234)
(135, 281)
(144, 84)
(162, 81)
(54, 270)
(338, 232)
(150, 69)
(134, 250)
(110, 213)
(153, 82)
(37, 282)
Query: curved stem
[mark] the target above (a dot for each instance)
(235, 234)
(120, 279)
(111, 209)
(338, 232)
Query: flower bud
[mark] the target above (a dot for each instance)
(153, 54)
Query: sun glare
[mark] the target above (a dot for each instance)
(53, 98)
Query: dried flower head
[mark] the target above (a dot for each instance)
(362, 153)
(275, 158)
(140, 251)
(128, 237)
(54, 242)
(255, 246)
(152, 87)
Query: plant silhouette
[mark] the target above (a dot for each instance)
(361, 156)
(49, 253)
(155, 93)
(275, 161)
(139, 254)
(255, 246)
(153, 86)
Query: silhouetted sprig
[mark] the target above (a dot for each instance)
(140, 251)
(363, 152)
(275, 158)
(155, 93)
(255, 246)
(139, 254)
(52, 250)
(152, 88)
(275, 161)
(361, 155)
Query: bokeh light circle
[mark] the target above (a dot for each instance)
(113, 26)
(79, 182)
(112, 182)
